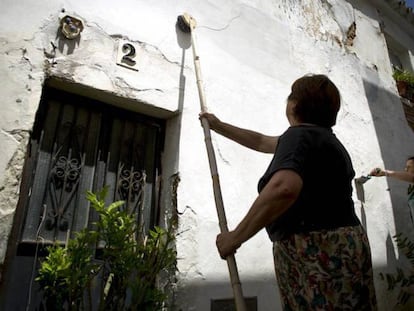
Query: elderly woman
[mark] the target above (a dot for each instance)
(321, 252)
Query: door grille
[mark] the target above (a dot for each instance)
(79, 145)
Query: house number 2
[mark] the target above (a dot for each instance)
(130, 54)
(127, 54)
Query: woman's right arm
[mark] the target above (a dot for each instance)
(247, 138)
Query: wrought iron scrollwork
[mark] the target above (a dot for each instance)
(64, 180)
(130, 188)
(66, 172)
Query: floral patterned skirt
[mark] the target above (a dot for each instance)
(325, 270)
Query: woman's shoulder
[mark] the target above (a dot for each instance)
(308, 134)
(308, 129)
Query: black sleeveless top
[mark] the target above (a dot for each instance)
(325, 201)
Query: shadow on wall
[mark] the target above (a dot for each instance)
(394, 137)
(396, 145)
(260, 293)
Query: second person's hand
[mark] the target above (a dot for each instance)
(377, 172)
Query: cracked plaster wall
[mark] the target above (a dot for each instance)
(33, 52)
(250, 51)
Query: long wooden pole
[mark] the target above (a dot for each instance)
(231, 261)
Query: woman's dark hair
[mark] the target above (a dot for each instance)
(410, 158)
(317, 100)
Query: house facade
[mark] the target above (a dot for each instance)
(96, 92)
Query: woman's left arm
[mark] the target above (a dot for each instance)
(276, 197)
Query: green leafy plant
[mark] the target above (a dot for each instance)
(399, 279)
(404, 75)
(67, 272)
(126, 270)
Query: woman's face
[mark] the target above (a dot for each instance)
(290, 114)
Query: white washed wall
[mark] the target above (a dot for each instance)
(251, 51)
